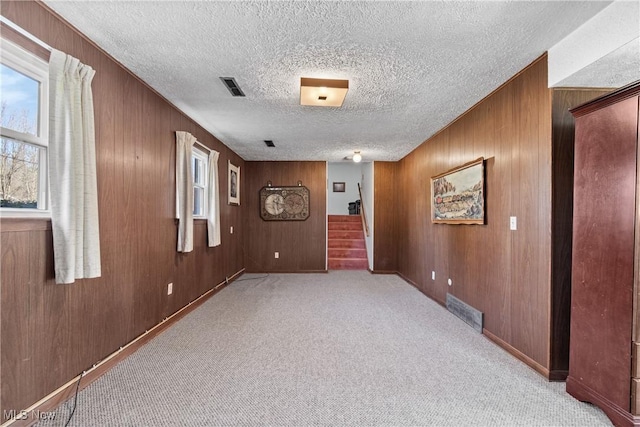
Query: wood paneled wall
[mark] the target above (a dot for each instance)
(386, 215)
(50, 332)
(503, 273)
(302, 244)
(563, 137)
(519, 279)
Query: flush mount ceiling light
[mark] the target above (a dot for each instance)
(323, 92)
(357, 157)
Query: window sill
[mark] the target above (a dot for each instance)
(24, 213)
(196, 221)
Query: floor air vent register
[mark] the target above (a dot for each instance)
(464, 311)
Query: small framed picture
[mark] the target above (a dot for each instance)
(234, 184)
(338, 187)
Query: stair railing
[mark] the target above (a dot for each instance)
(362, 214)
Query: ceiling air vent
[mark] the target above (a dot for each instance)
(269, 143)
(233, 87)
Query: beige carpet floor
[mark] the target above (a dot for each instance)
(344, 348)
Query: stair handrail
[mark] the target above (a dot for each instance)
(362, 214)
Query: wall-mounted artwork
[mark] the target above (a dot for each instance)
(284, 203)
(234, 184)
(338, 187)
(457, 196)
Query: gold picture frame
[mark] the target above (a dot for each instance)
(457, 195)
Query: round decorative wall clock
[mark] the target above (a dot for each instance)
(284, 203)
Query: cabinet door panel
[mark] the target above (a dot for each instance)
(603, 250)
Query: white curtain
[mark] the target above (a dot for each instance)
(213, 211)
(184, 190)
(72, 170)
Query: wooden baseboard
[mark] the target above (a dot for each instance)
(550, 375)
(45, 406)
(517, 354)
(409, 281)
(616, 414)
(382, 271)
(415, 285)
(284, 272)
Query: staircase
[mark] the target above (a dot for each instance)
(347, 250)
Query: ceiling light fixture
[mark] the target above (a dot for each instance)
(323, 92)
(357, 157)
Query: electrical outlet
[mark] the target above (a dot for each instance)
(433, 275)
(276, 255)
(231, 230)
(450, 282)
(513, 223)
(169, 288)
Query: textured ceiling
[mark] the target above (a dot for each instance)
(621, 65)
(413, 67)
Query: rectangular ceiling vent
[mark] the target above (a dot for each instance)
(230, 83)
(269, 143)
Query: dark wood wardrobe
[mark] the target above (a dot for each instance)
(603, 363)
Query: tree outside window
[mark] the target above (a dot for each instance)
(23, 125)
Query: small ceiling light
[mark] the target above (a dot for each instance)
(357, 157)
(323, 92)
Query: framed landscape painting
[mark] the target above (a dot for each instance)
(457, 196)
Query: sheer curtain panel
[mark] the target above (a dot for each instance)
(72, 170)
(213, 213)
(184, 190)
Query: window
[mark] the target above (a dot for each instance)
(23, 132)
(200, 170)
(200, 173)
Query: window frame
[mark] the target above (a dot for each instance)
(29, 64)
(198, 154)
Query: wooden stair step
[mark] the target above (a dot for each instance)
(348, 264)
(355, 226)
(344, 218)
(345, 234)
(346, 243)
(348, 253)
